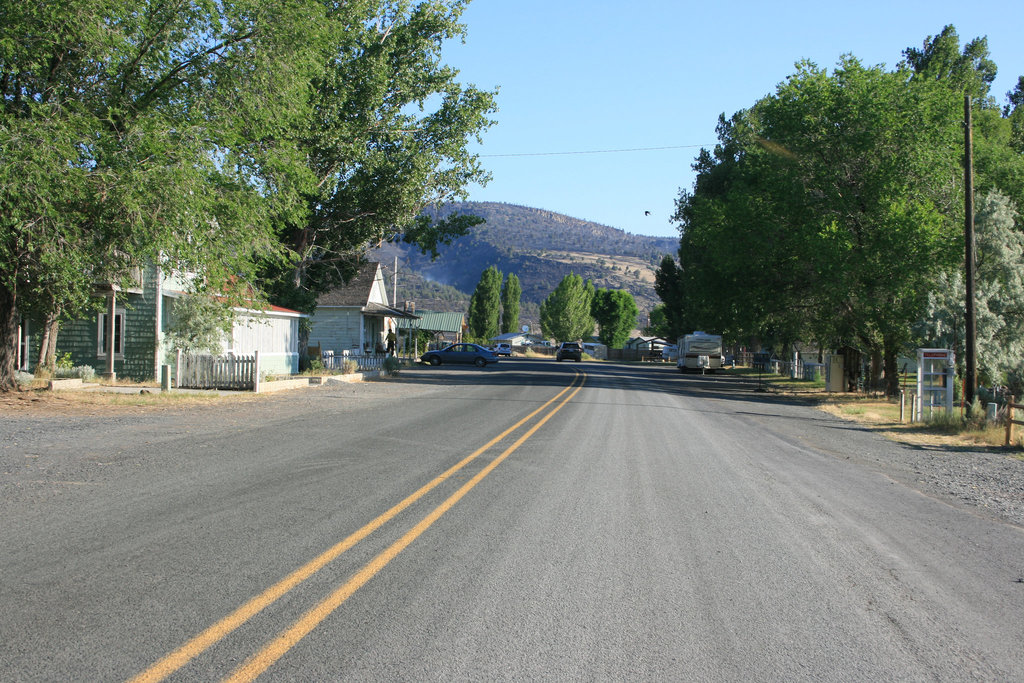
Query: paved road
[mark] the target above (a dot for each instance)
(527, 521)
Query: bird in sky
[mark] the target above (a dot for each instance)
(647, 213)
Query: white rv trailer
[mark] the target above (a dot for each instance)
(700, 351)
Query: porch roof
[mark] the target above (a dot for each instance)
(435, 321)
(376, 310)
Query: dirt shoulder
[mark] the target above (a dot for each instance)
(41, 402)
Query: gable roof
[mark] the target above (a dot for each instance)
(355, 292)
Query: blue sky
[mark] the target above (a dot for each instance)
(584, 76)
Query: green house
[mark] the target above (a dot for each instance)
(135, 318)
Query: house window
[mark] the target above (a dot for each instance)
(101, 335)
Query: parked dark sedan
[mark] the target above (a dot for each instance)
(460, 353)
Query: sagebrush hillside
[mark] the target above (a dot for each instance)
(540, 247)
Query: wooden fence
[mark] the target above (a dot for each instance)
(1010, 406)
(205, 371)
(364, 361)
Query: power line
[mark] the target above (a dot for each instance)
(593, 151)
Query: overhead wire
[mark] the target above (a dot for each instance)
(592, 151)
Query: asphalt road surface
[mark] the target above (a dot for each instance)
(527, 521)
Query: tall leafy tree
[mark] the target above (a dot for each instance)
(387, 135)
(826, 210)
(615, 311)
(484, 306)
(565, 313)
(658, 323)
(940, 58)
(999, 298)
(1014, 111)
(144, 131)
(511, 293)
(671, 318)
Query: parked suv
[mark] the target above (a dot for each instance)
(502, 349)
(569, 351)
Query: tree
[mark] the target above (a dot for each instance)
(999, 298)
(565, 313)
(615, 311)
(136, 132)
(386, 136)
(199, 324)
(1014, 111)
(826, 210)
(484, 305)
(510, 295)
(672, 314)
(940, 59)
(658, 325)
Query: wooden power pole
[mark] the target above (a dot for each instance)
(970, 342)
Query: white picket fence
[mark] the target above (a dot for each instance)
(364, 361)
(206, 371)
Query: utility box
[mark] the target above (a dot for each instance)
(835, 373)
(936, 369)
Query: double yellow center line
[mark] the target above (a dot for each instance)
(273, 651)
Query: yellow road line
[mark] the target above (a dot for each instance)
(218, 631)
(273, 651)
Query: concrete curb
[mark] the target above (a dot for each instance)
(320, 380)
(349, 379)
(73, 384)
(65, 384)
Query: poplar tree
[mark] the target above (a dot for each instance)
(511, 293)
(484, 306)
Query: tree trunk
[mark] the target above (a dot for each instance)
(48, 343)
(851, 361)
(876, 368)
(8, 339)
(51, 347)
(892, 373)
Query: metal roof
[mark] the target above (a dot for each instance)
(434, 321)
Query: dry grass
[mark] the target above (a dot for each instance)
(40, 401)
(883, 415)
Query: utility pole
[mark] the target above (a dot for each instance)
(970, 342)
(394, 286)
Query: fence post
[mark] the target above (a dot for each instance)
(177, 369)
(903, 404)
(1009, 421)
(256, 372)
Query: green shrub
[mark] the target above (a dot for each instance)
(392, 366)
(349, 367)
(87, 373)
(84, 372)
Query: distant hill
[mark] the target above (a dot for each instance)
(540, 247)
